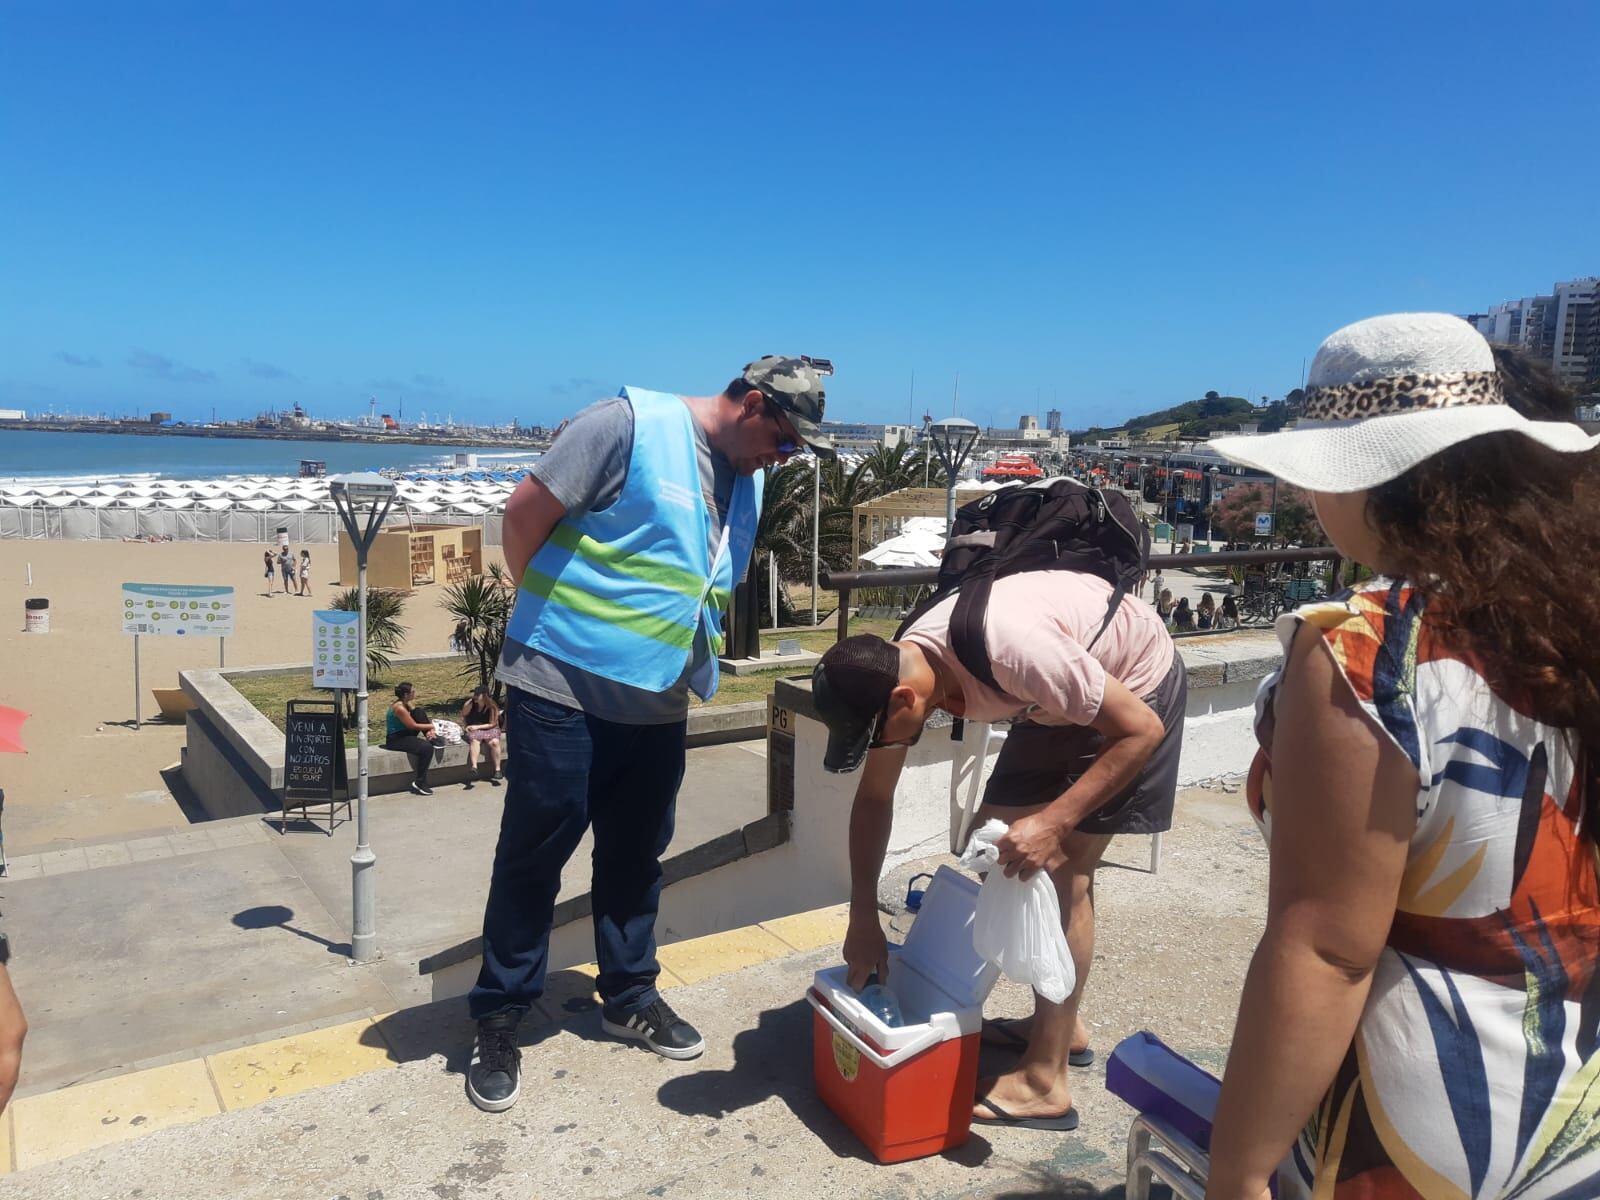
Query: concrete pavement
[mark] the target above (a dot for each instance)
(141, 952)
(602, 1119)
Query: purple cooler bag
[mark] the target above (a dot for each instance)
(1149, 1075)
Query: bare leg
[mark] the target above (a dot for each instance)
(472, 755)
(1039, 1085)
(494, 754)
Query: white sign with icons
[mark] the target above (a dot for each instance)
(1264, 524)
(177, 610)
(335, 649)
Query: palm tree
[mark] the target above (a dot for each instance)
(385, 634)
(481, 606)
(785, 529)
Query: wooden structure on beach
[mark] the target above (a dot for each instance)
(406, 557)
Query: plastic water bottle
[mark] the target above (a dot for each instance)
(882, 1003)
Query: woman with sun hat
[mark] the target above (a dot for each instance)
(1422, 1016)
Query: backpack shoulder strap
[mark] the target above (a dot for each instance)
(967, 624)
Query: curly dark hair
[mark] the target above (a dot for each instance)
(1501, 537)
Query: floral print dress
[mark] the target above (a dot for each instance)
(1475, 1067)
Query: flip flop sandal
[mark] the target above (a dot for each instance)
(1003, 1034)
(1065, 1123)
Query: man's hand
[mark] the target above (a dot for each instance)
(1031, 845)
(866, 950)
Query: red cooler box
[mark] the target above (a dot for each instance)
(908, 1092)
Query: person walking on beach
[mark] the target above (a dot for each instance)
(266, 561)
(286, 566)
(627, 539)
(404, 732)
(305, 572)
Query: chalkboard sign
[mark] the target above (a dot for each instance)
(313, 759)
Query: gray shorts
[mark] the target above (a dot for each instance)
(1039, 762)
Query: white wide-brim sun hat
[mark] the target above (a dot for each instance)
(1387, 393)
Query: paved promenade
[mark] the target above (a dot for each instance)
(601, 1119)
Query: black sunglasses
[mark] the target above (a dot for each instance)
(876, 742)
(787, 445)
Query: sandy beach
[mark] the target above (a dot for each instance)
(88, 773)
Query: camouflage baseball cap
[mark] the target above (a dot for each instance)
(795, 386)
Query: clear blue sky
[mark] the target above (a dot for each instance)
(499, 210)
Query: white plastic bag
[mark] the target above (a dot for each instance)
(446, 733)
(1018, 925)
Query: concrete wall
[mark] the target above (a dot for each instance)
(233, 754)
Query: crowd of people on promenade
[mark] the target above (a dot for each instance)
(1418, 1016)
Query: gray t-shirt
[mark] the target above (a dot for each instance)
(585, 469)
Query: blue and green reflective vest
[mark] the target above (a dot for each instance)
(622, 592)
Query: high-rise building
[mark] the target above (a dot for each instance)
(1028, 422)
(1561, 330)
(1052, 420)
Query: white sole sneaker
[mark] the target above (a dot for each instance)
(492, 1105)
(639, 1035)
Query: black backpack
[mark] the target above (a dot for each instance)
(1052, 525)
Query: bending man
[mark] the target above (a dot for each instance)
(1095, 753)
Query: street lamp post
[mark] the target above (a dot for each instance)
(816, 528)
(1211, 521)
(953, 440)
(362, 501)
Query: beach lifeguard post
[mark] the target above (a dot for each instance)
(407, 557)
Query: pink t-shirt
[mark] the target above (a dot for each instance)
(1037, 628)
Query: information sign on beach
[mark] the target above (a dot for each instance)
(335, 649)
(177, 610)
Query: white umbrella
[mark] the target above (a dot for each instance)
(136, 501)
(176, 502)
(258, 505)
(216, 503)
(22, 500)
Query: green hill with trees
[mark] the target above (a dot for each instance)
(1198, 418)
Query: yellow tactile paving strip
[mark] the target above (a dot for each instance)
(254, 1074)
(40, 1129)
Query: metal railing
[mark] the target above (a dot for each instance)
(846, 582)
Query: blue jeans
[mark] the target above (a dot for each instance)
(565, 771)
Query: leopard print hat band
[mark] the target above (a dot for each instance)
(1402, 393)
(1384, 395)
(1400, 363)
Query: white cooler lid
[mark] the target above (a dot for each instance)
(939, 945)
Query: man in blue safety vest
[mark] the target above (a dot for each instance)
(627, 539)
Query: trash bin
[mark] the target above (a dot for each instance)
(36, 615)
(907, 1091)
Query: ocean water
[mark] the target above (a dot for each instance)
(90, 457)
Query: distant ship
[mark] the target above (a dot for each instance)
(1013, 467)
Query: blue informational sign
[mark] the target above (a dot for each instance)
(177, 610)
(335, 649)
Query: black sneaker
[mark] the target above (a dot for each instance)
(494, 1079)
(658, 1027)
(496, 780)
(421, 789)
